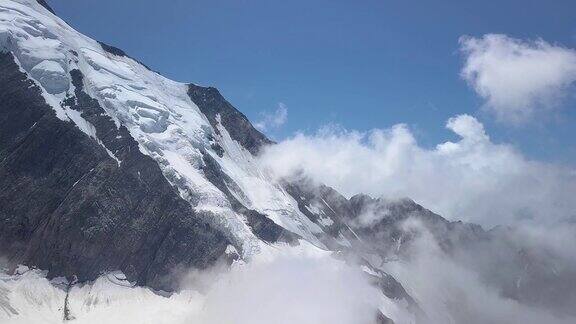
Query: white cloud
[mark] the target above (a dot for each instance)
(292, 288)
(518, 79)
(273, 120)
(470, 179)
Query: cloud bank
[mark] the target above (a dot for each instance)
(518, 79)
(456, 291)
(471, 179)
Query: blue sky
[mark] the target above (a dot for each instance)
(363, 65)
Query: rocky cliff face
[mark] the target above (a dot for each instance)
(67, 206)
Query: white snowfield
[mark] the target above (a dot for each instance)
(28, 297)
(159, 115)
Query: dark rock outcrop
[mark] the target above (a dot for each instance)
(212, 105)
(383, 319)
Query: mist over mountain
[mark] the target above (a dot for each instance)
(128, 197)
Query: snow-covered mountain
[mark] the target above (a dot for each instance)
(156, 137)
(111, 173)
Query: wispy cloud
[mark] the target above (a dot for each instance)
(273, 120)
(518, 79)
